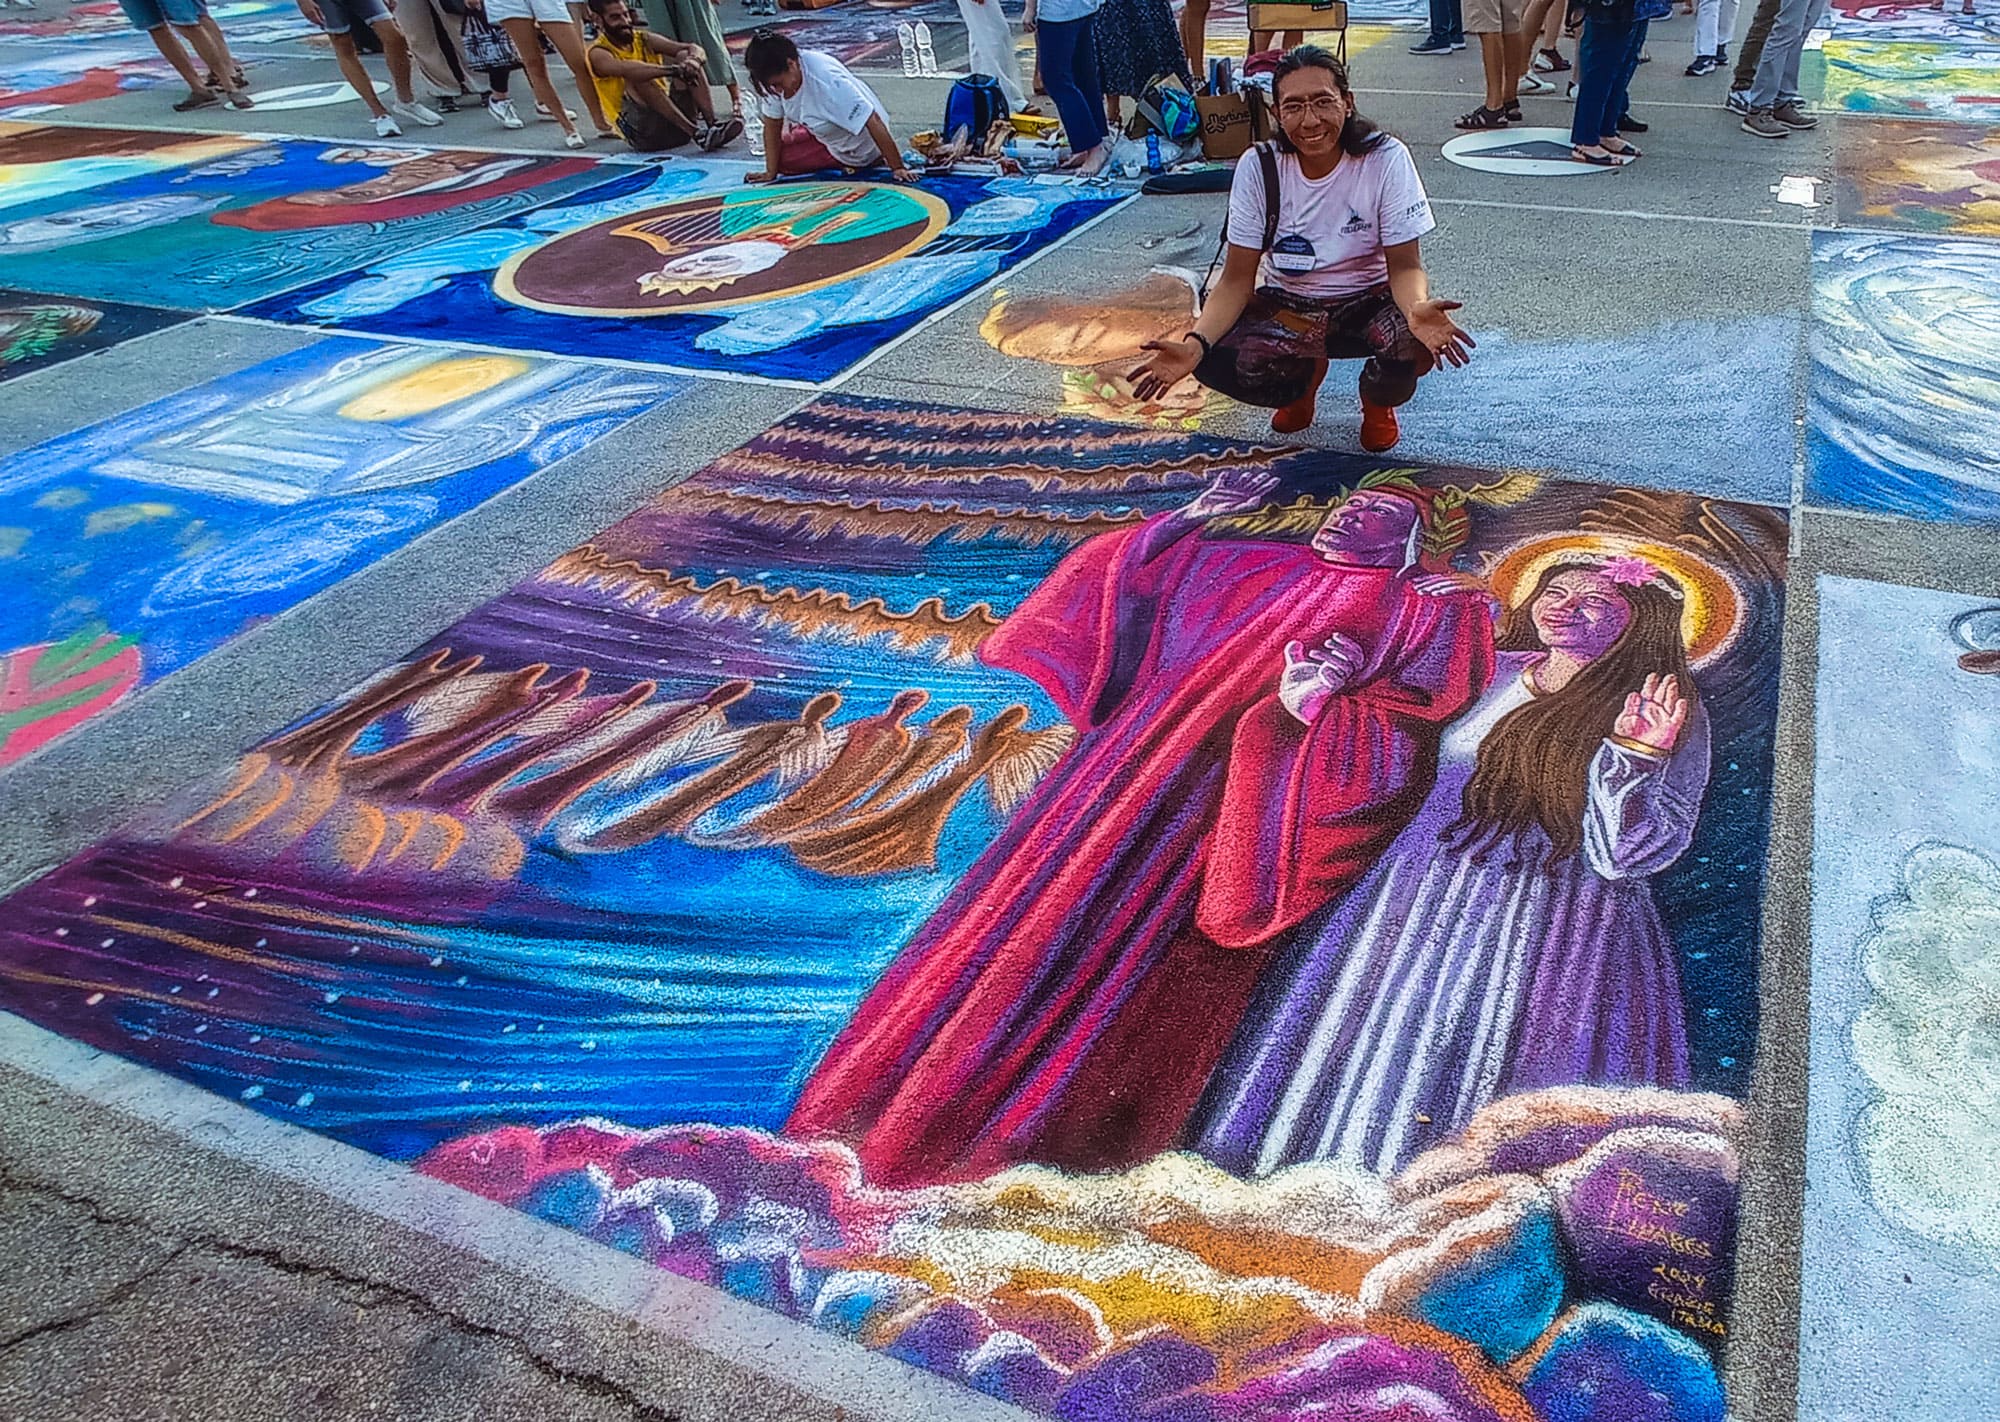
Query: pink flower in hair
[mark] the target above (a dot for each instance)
(1630, 570)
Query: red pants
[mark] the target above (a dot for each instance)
(801, 152)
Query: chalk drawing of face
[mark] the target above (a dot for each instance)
(60, 229)
(712, 267)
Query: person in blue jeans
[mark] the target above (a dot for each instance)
(1614, 35)
(1065, 42)
(162, 20)
(1447, 29)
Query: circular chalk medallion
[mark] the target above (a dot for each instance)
(311, 96)
(720, 250)
(1520, 152)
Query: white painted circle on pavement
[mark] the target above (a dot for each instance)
(311, 96)
(1519, 152)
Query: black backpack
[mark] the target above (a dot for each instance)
(1267, 155)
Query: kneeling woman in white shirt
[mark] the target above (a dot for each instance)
(1340, 273)
(817, 115)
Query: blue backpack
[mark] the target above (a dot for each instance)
(975, 104)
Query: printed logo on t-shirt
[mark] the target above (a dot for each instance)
(1355, 223)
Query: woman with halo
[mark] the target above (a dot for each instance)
(1508, 939)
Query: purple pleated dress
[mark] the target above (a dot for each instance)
(1452, 975)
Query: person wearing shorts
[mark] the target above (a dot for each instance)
(166, 23)
(1503, 52)
(657, 86)
(340, 19)
(525, 22)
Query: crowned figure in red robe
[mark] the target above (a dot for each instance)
(1257, 718)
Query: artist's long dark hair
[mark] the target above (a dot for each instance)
(1534, 766)
(1358, 136)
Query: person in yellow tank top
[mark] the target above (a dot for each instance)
(653, 88)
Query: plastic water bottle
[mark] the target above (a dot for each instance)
(753, 123)
(1153, 163)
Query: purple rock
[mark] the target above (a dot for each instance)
(1650, 1219)
(940, 1336)
(1126, 1384)
(1607, 1364)
(1015, 1371)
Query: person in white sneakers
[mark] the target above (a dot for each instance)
(338, 18)
(1714, 23)
(525, 22)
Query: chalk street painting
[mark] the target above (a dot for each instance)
(1902, 1244)
(255, 221)
(1941, 178)
(132, 547)
(1905, 378)
(795, 281)
(1093, 342)
(1956, 23)
(1145, 925)
(38, 331)
(42, 162)
(247, 21)
(1913, 79)
(864, 35)
(51, 79)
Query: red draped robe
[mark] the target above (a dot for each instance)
(1067, 1002)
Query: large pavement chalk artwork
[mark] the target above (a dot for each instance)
(797, 281)
(132, 547)
(1939, 178)
(1905, 375)
(568, 906)
(1902, 1243)
(257, 220)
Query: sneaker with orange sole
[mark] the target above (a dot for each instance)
(1379, 430)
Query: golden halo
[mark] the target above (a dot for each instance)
(1712, 603)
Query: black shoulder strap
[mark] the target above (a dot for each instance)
(1268, 156)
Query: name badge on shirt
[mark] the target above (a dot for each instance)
(1293, 253)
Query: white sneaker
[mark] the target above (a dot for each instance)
(414, 112)
(503, 113)
(542, 114)
(1532, 85)
(387, 127)
(573, 139)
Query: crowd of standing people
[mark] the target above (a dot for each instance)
(1520, 46)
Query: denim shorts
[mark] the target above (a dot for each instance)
(340, 16)
(151, 14)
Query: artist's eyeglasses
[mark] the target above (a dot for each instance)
(1319, 106)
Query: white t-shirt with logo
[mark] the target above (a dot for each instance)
(1331, 232)
(834, 105)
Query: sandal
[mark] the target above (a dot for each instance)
(1597, 160)
(1483, 118)
(205, 100)
(1623, 150)
(1513, 112)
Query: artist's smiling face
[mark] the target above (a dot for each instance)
(1369, 529)
(1580, 612)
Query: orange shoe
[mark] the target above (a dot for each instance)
(1290, 419)
(1379, 430)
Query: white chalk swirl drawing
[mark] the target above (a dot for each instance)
(1906, 373)
(1928, 1040)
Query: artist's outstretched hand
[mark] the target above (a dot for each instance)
(1431, 323)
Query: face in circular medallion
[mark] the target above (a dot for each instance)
(723, 250)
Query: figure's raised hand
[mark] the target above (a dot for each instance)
(1234, 491)
(1654, 714)
(1315, 675)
